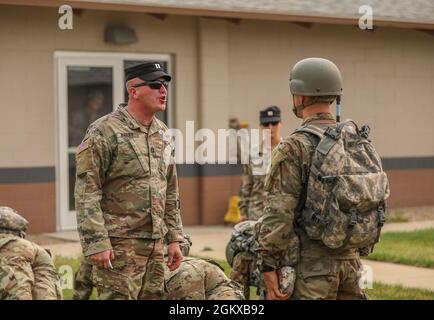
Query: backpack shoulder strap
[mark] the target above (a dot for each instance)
(332, 136)
(315, 135)
(313, 132)
(309, 128)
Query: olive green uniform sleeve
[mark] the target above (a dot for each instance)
(47, 285)
(172, 217)
(246, 189)
(277, 242)
(93, 159)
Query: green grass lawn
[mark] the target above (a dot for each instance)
(414, 248)
(74, 264)
(382, 291)
(379, 292)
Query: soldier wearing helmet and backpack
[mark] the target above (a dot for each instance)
(326, 194)
(27, 271)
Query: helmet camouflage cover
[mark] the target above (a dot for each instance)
(242, 239)
(11, 220)
(185, 245)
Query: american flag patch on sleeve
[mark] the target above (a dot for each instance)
(83, 146)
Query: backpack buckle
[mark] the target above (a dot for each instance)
(332, 133)
(364, 131)
(381, 215)
(353, 218)
(315, 217)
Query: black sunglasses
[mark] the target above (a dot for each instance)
(156, 85)
(273, 123)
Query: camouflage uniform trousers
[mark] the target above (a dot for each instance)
(242, 270)
(328, 279)
(199, 279)
(83, 285)
(137, 274)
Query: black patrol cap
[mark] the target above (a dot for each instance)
(148, 71)
(270, 114)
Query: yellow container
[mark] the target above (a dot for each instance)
(233, 215)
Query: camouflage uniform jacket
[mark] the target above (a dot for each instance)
(200, 279)
(280, 241)
(252, 186)
(127, 184)
(26, 271)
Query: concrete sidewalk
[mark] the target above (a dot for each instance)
(210, 241)
(407, 276)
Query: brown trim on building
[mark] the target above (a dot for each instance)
(216, 192)
(411, 188)
(189, 191)
(35, 201)
(201, 12)
(197, 170)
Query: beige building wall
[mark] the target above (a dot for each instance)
(28, 39)
(221, 70)
(388, 77)
(214, 73)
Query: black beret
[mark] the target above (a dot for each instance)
(148, 71)
(270, 114)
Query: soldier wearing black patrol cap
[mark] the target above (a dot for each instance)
(126, 192)
(252, 192)
(147, 71)
(270, 115)
(253, 183)
(270, 119)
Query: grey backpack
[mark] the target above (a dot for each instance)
(347, 189)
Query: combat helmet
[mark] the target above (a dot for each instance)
(315, 77)
(12, 222)
(242, 239)
(185, 245)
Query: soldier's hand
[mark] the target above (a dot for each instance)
(272, 285)
(174, 256)
(243, 217)
(102, 259)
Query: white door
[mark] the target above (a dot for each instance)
(88, 86)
